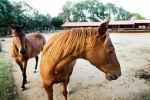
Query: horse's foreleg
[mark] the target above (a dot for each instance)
(20, 65)
(24, 75)
(36, 59)
(22, 70)
(49, 91)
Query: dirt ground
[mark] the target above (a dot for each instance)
(88, 83)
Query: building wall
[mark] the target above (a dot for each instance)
(137, 27)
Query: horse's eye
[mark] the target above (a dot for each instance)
(104, 36)
(111, 51)
(17, 49)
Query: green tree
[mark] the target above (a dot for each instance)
(96, 10)
(93, 10)
(111, 10)
(86, 10)
(56, 22)
(123, 14)
(22, 14)
(137, 16)
(6, 15)
(66, 14)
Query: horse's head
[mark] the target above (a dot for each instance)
(19, 39)
(103, 55)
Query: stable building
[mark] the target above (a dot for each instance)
(114, 26)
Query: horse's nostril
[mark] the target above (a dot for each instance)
(23, 50)
(112, 77)
(115, 77)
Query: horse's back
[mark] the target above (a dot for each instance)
(35, 36)
(37, 42)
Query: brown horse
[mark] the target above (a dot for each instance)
(25, 47)
(61, 51)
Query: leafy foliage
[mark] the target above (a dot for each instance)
(57, 22)
(22, 14)
(88, 10)
(94, 10)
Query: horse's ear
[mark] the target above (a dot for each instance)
(103, 27)
(16, 26)
(22, 26)
(12, 26)
(17, 29)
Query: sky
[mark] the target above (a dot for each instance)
(53, 7)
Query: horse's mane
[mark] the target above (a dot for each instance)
(71, 42)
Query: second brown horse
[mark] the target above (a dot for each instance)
(25, 47)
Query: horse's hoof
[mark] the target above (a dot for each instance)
(35, 71)
(27, 82)
(24, 82)
(23, 88)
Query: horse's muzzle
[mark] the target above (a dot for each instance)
(23, 51)
(111, 77)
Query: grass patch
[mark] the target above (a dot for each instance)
(146, 98)
(6, 81)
